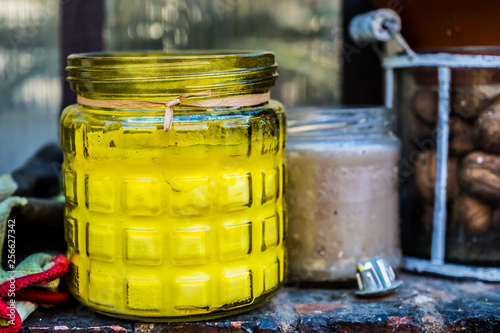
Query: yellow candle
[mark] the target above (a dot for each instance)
(162, 226)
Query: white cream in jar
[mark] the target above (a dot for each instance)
(342, 192)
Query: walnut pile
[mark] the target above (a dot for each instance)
(473, 164)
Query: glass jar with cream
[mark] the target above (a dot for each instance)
(342, 192)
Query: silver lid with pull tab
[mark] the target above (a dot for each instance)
(375, 278)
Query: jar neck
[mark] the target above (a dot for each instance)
(338, 123)
(160, 75)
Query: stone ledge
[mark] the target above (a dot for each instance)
(422, 304)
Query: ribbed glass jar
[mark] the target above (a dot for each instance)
(179, 225)
(342, 192)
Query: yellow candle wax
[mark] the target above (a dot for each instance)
(162, 226)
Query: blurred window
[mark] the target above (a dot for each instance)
(30, 91)
(305, 35)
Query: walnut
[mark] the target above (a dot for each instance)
(480, 176)
(472, 214)
(461, 136)
(488, 127)
(425, 176)
(425, 105)
(467, 103)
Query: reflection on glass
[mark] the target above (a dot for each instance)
(304, 34)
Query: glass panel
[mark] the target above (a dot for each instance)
(30, 89)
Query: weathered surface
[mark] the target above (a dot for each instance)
(422, 304)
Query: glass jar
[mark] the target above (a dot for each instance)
(179, 225)
(473, 166)
(342, 195)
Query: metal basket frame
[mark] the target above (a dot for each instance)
(444, 62)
